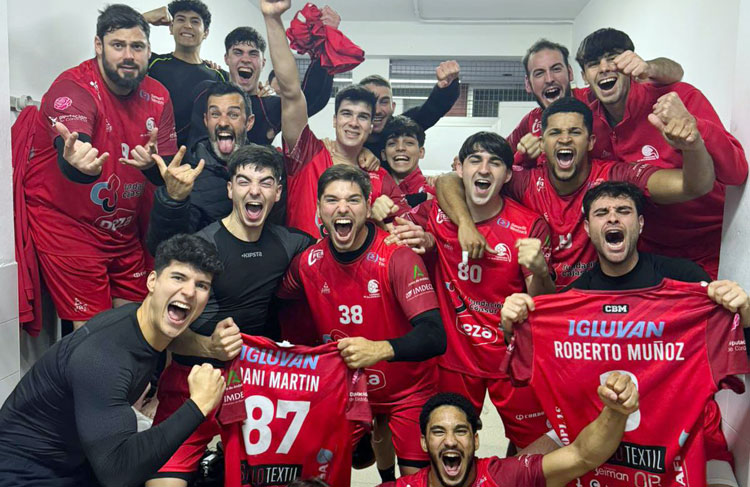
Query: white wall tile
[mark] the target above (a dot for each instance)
(9, 351)
(7, 385)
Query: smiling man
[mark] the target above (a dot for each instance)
(69, 420)
(450, 426)
(404, 148)
(556, 190)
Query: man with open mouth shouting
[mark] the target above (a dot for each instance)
(556, 191)
(450, 435)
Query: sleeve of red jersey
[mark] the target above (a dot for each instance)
(519, 158)
(391, 189)
(421, 213)
(295, 158)
(166, 139)
(69, 103)
(410, 283)
(291, 285)
(232, 407)
(357, 405)
(637, 173)
(725, 343)
(540, 230)
(523, 470)
(730, 163)
(518, 362)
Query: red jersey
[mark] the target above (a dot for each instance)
(305, 162)
(532, 123)
(677, 345)
(297, 401)
(692, 229)
(472, 295)
(70, 218)
(374, 297)
(572, 252)
(523, 470)
(415, 183)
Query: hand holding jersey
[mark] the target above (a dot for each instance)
(226, 340)
(359, 352)
(81, 155)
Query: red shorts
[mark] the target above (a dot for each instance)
(522, 415)
(172, 393)
(82, 287)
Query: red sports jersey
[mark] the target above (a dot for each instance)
(415, 183)
(472, 295)
(297, 401)
(373, 297)
(572, 252)
(305, 162)
(677, 345)
(532, 123)
(524, 470)
(74, 219)
(692, 229)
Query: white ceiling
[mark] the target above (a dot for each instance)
(470, 11)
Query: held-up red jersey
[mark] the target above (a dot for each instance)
(374, 297)
(572, 252)
(523, 470)
(415, 183)
(305, 162)
(692, 229)
(472, 295)
(76, 219)
(298, 404)
(677, 345)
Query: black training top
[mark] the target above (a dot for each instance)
(252, 273)
(649, 271)
(180, 79)
(70, 414)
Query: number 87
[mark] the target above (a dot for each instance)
(261, 424)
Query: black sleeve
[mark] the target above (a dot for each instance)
(678, 269)
(153, 174)
(107, 427)
(424, 341)
(441, 100)
(746, 331)
(316, 86)
(168, 217)
(69, 171)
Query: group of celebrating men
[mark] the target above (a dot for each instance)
(204, 240)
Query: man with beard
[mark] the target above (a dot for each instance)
(450, 435)
(556, 190)
(84, 206)
(69, 420)
(621, 106)
(548, 78)
(182, 69)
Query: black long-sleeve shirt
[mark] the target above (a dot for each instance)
(69, 418)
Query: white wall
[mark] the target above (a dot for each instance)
(699, 34)
(9, 331)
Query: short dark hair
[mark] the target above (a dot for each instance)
(601, 43)
(541, 45)
(244, 35)
(449, 399)
(176, 6)
(613, 189)
(489, 141)
(355, 94)
(400, 126)
(221, 88)
(569, 104)
(343, 172)
(119, 16)
(191, 250)
(311, 482)
(260, 156)
(375, 79)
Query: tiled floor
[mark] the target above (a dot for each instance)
(492, 442)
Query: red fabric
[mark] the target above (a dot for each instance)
(308, 35)
(29, 284)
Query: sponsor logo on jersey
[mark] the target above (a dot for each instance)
(125, 150)
(615, 329)
(233, 378)
(615, 308)
(373, 288)
(566, 242)
(418, 290)
(132, 190)
(72, 118)
(536, 127)
(138, 274)
(325, 289)
(503, 222)
(62, 103)
(649, 153)
(518, 228)
(104, 194)
(479, 334)
(611, 473)
(159, 100)
(375, 380)
(269, 475)
(522, 417)
(79, 305)
(314, 256)
(250, 255)
(115, 221)
(150, 124)
(503, 253)
(281, 358)
(540, 184)
(145, 95)
(649, 458)
(441, 217)
(417, 273)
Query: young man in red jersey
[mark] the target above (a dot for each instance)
(306, 156)
(84, 206)
(548, 78)
(621, 107)
(404, 148)
(556, 191)
(450, 435)
(377, 301)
